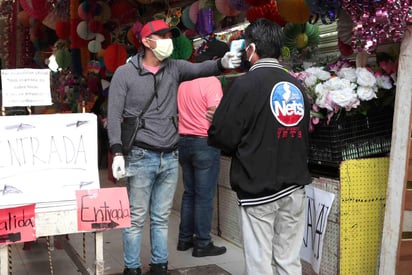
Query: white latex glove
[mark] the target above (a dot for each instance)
(118, 169)
(231, 60)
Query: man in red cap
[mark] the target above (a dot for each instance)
(145, 90)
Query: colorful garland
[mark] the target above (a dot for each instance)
(376, 22)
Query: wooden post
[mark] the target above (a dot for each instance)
(398, 160)
(99, 253)
(4, 265)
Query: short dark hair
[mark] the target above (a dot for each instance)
(268, 37)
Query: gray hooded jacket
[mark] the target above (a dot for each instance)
(132, 86)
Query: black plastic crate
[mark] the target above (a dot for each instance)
(351, 137)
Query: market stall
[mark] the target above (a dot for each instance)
(345, 52)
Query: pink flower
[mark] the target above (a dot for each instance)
(389, 66)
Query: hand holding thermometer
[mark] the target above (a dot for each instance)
(236, 46)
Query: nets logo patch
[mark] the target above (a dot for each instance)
(287, 104)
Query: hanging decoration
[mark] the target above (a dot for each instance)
(224, 7)
(344, 49)
(133, 34)
(300, 36)
(84, 10)
(205, 23)
(63, 29)
(217, 16)
(182, 48)
(344, 28)
(94, 67)
(24, 18)
(171, 17)
(114, 56)
(193, 11)
(301, 42)
(376, 22)
(123, 11)
(63, 58)
(37, 9)
(185, 19)
(95, 26)
(51, 19)
(94, 46)
(105, 12)
(294, 11)
(326, 11)
(84, 31)
(268, 11)
(132, 38)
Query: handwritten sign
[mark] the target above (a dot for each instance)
(17, 224)
(102, 209)
(45, 158)
(318, 205)
(26, 87)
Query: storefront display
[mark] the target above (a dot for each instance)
(345, 52)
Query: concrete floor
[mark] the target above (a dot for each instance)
(45, 256)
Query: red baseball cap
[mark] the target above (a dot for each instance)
(158, 27)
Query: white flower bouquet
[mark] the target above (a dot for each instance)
(341, 89)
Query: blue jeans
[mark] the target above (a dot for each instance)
(151, 184)
(200, 168)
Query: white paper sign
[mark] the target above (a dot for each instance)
(318, 206)
(46, 158)
(26, 87)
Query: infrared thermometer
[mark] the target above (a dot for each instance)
(236, 46)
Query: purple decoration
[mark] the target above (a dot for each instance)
(204, 24)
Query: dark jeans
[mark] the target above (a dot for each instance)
(200, 167)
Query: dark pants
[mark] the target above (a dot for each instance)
(200, 166)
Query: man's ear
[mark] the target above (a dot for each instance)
(145, 42)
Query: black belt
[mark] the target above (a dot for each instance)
(154, 148)
(192, 136)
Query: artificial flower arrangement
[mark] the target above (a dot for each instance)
(341, 89)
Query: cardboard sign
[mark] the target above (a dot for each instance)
(45, 158)
(26, 87)
(17, 224)
(102, 209)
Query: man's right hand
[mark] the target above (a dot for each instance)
(118, 167)
(210, 112)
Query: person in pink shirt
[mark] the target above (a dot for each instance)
(200, 162)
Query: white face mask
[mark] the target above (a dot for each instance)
(164, 48)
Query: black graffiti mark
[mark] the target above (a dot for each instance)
(11, 237)
(77, 123)
(315, 226)
(9, 189)
(19, 127)
(378, 199)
